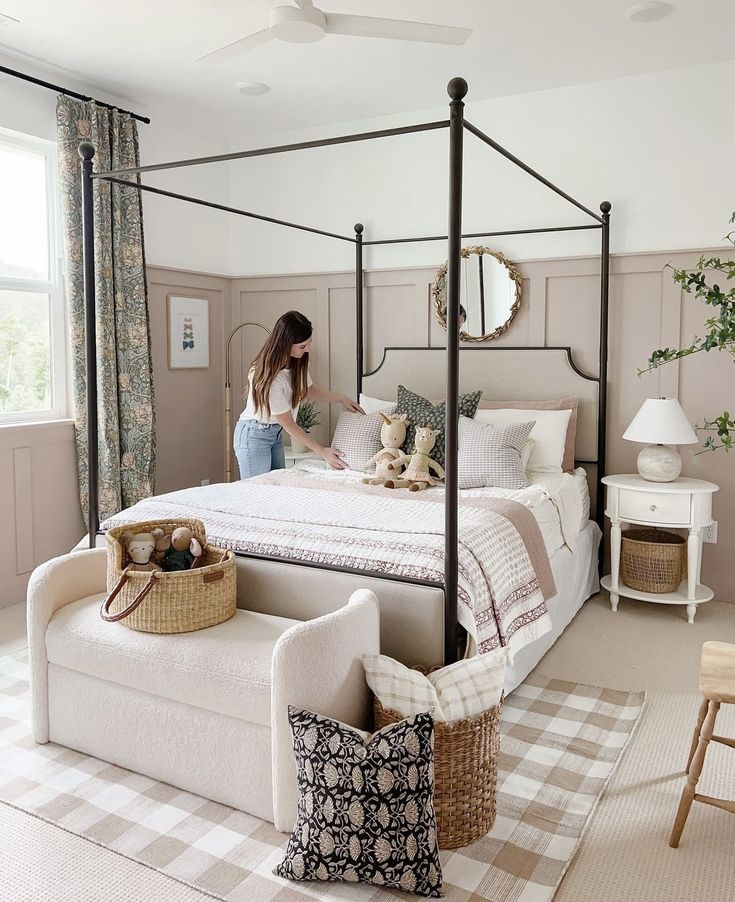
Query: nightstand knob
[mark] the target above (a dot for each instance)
(652, 507)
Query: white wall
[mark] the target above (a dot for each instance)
(653, 145)
(176, 234)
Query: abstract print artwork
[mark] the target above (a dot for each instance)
(188, 332)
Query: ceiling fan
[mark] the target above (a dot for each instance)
(300, 22)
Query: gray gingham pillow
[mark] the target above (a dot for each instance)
(366, 808)
(421, 412)
(491, 455)
(357, 436)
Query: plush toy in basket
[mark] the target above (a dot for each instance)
(193, 586)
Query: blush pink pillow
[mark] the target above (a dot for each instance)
(560, 404)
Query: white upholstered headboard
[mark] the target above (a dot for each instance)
(503, 374)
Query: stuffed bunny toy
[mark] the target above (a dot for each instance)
(417, 476)
(140, 547)
(180, 550)
(392, 435)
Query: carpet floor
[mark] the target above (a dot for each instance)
(624, 855)
(561, 742)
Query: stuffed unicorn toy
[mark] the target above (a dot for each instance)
(392, 435)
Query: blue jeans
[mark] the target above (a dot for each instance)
(258, 447)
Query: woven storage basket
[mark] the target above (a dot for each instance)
(179, 602)
(465, 774)
(653, 560)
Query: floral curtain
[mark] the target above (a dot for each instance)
(127, 454)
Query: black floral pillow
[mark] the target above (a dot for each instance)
(421, 412)
(366, 809)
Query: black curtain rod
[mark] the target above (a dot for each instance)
(537, 175)
(576, 228)
(280, 148)
(69, 93)
(214, 206)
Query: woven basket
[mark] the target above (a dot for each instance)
(178, 602)
(465, 774)
(653, 560)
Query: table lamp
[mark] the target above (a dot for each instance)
(662, 422)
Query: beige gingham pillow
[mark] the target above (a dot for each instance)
(457, 691)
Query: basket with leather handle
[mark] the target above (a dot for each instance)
(178, 602)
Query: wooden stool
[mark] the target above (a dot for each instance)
(717, 685)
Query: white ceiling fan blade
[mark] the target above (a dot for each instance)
(395, 29)
(242, 45)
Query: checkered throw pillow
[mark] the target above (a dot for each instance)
(357, 436)
(455, 692)
(492, 455)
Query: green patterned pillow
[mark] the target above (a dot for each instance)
(421, 412)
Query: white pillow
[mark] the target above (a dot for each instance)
(526, 453)
(373, 405)
(549, 435)
(457, 691)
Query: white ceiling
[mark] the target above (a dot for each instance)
(143, 51)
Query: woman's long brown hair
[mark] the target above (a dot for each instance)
(291, 329)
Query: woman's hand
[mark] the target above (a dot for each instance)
(349, 404)
(333, 458)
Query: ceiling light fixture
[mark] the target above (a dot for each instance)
(650, 11)
(6, 20)
(252, 88)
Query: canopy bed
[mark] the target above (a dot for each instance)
(423, 603)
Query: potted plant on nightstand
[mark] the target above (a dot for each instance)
(307, 418)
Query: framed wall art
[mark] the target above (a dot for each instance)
(188, 332)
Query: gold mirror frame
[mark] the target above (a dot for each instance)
(440, 287)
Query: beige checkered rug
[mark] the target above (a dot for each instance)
(561, 742)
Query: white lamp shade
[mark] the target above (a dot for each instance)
(661, 421)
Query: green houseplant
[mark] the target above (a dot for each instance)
(307, 418)
(720, 334)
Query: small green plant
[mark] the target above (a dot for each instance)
(308, 416)
(720, 335)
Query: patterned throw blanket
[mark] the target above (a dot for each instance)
(505, 577)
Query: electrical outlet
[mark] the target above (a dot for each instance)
(709, 533)
(205, 482)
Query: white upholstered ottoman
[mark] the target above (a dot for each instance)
(205, 711)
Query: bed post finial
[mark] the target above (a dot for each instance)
(359, 228)
(457, 88)
(605, 207)
(86, 150)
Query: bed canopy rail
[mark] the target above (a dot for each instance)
(457, 125)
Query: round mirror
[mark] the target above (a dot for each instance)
(490, 294)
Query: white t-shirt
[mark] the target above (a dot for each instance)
(280, 397)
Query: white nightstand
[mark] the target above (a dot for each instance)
(684, 503)
(293, 456)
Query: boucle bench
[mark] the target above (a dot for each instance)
(205, 711)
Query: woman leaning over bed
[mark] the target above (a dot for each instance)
(278, 382)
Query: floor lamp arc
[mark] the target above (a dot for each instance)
(228, 396)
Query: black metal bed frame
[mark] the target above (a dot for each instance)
(457, 125)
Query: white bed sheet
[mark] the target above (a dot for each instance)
(576, 575)
(559, 503)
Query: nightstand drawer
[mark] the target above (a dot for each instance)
(655, 507)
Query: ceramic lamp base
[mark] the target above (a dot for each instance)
(659, 463)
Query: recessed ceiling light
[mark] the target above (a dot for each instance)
(252, 88)
(650, 11)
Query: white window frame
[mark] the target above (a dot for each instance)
(53, 287)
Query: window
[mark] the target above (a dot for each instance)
(32, 321)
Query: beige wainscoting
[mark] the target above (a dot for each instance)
(189, 402)
(560, 307)
(40, 515)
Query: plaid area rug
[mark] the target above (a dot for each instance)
(560, 744)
